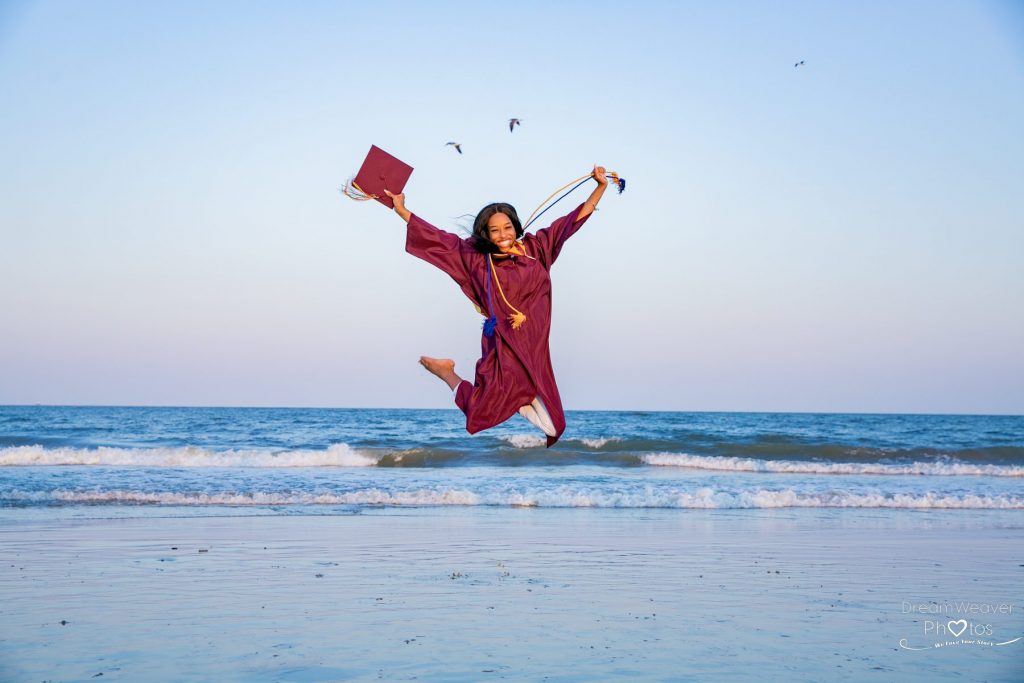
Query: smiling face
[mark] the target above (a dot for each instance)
(501, 232)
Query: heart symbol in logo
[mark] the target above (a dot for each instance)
(962, 624)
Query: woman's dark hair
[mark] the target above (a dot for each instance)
(481, 238)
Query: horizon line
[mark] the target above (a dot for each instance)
(573, 410)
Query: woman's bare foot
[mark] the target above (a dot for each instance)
(443, 368)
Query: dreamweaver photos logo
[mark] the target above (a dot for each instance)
(959, 623)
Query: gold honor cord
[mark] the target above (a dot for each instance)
(518, 317)
(612, 175)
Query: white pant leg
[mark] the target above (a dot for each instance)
(538, 416)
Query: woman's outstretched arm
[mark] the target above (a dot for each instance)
(595, 196)
(550, 240)
(435, 246)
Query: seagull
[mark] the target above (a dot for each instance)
(800, 63)
(457, 146)
(512, 123)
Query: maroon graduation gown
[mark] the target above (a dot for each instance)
(514, 365)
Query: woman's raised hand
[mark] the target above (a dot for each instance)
(598, 174)
(398, 199)
(399, 202)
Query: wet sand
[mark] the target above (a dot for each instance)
(476, 594)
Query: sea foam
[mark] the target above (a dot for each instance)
(599, 442)
(534, 441)
(724, 463)
(336, 455)
(555, 497)
(524, 440)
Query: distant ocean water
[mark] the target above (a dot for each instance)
(324, 460)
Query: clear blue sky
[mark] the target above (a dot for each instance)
(845, 236)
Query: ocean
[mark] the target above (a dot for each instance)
(342, 461)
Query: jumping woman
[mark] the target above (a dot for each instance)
(505, 273)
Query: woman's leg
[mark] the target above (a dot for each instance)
(443, 368)
(537, 413)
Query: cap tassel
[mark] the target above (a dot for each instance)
(353, 191)
(489, 326)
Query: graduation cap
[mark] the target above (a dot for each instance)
(380, 171)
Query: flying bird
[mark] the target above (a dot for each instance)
(800, 63)
(457, 146)
(512, 123)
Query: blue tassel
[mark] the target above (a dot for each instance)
(492, 321)
(622, 185)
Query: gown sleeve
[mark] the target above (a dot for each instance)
(444, 250)
(551, 238)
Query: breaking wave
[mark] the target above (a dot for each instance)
(556, 497)
(336, 455)
(720, 463)
(524, 440)
(527, 450)
(534, 441)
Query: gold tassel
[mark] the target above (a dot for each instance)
(353, 191)
(517, 319)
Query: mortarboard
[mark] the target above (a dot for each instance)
(380, 171)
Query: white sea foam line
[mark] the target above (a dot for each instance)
(365, 497)
(524, 440)
(533, 441)
(336, 455)
(599, 442)
(559, 497)
(705, 462)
